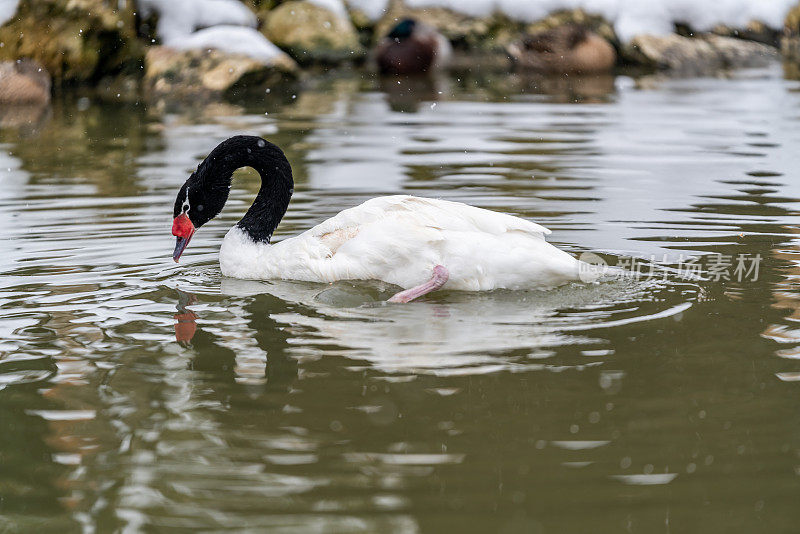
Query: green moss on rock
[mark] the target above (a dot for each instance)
(76, 40)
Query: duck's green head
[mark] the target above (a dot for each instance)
(403, 29)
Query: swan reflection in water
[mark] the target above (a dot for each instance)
(185, 319)
(453, 333)
(216, 353)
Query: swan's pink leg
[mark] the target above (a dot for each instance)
(439, 278)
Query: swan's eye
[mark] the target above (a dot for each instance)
(199, 207)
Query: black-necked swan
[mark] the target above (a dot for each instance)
(419, 244)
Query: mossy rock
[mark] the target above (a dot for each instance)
(698, 56)
(312, 34)
(791, 24)
(75, 40)
(261, 7)
(755, 30)
(360, 20)
(790, 41)
(207, 74)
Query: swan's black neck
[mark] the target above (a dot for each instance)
(213, 180)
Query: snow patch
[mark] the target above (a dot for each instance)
(231, 39)
(179, 18)
(373, 9)
(8, 8)
(226, 25)
(335, 6)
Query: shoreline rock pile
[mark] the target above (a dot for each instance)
(183, 49)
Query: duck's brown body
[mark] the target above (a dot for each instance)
(407, 56)
(564, 50)
(412, 47)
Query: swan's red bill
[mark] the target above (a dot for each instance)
(186, 326)
(183, 230)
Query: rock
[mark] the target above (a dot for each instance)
(790, 41)
(260, 6)
(312, 34)
(75, 40)
(790, 48)
(697, 56)
(175, 20)
(755, 30)
(741, 54)
(175, 74)
(792, 20)
(24, 82)
(361, 20)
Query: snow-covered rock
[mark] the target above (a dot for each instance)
(178, 19)
(699, 55)
(225, 25)
(211, 47)
(233, 40)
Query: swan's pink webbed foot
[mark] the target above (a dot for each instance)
(439, 278)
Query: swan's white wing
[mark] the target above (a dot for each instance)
(423, 212)
(399, 239)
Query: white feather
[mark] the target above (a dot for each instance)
(399, 239)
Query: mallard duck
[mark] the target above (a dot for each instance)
(24, 82)
(412, 47)
(419, 244)
(571, 48)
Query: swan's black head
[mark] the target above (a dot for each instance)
(205, 192)
(199, 202)
(195, 205)
(403, 29)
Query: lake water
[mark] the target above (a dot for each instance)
(140, 394)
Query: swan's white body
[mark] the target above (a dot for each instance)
(400, 239)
